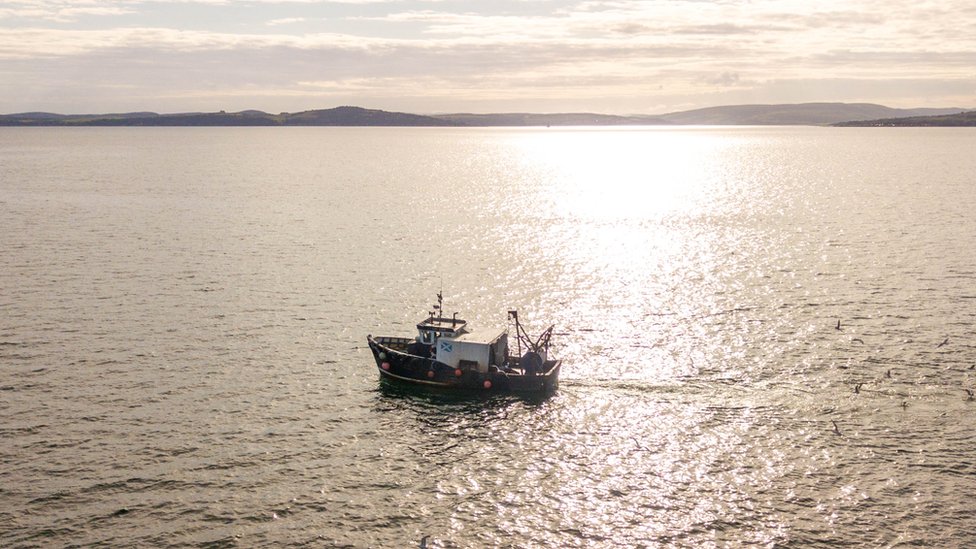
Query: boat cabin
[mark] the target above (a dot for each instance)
(448, 341)
(474, 350)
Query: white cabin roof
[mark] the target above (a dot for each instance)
(482, 336)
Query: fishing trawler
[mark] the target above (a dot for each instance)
(447, 353)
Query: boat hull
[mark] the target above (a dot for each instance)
(395, 364)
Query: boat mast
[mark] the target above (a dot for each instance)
(513, 315)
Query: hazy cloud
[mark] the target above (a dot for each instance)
(724, 79)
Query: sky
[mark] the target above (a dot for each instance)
(441, 56)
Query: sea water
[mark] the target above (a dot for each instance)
(767, 336)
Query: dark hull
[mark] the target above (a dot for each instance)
(395, 364)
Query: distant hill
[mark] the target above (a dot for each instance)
(795, 114)
(559, 119)
(960, 119)
(339, 116)
(356, 116)
(52, 119)
(792, 114)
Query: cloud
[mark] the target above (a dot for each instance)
(61, 12)
(286, 21)
(66, 11)
(48, 43)
(612, 53)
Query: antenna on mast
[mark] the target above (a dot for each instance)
(440, 300)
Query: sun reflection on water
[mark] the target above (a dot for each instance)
(636, 228)
(608, 175)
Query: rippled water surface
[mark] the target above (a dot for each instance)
(184, 313)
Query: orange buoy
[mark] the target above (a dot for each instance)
(487, 384)
(457, 372)
(430, 373)
(385, 366)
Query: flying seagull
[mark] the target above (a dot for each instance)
(836, 428)
(944, 342)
